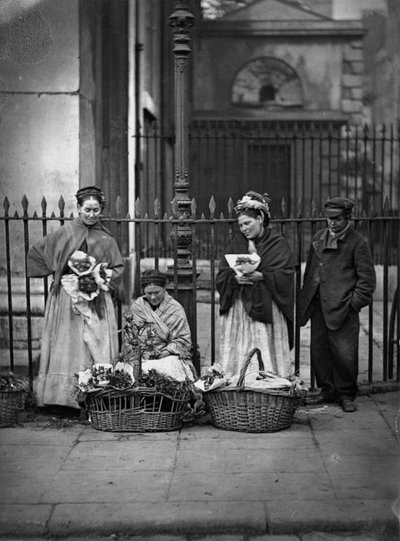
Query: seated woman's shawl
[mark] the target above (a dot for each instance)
(278, 268)
(170, 322)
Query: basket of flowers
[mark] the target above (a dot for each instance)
(12, 398)
(254, 409)
(154, 402)
(121, 397)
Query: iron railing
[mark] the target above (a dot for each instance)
(306, 161)
(23, 299)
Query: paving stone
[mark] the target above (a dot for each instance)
(107, 485)
(301, 516)
(171, 518)
(17, 520)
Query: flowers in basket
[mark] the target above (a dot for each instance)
(11, 383)
(88, 277)
(118, 376)
(164, 384)
(212, 378)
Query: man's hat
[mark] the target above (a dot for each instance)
(337, 206)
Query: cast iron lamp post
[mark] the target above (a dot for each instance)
(181, 21)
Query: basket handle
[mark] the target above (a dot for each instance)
(246, 363)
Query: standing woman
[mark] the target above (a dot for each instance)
(77, 332)
(257, 309)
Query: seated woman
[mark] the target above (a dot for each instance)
(160, 323)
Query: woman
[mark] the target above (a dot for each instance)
(256, 309)
(78, 332)
(159, 322)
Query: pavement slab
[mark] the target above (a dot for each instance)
(24, 519)
(172, 518)
(305, 515)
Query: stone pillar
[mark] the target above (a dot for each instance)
(181, 273)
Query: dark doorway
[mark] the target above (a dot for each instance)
(268, 165)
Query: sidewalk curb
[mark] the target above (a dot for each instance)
(250, 518)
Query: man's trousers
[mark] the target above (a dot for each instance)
(334, 354)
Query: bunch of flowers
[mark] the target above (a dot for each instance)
(11, 383)
(141, 338)
(88, 278)
(105, 375)
(163, 383)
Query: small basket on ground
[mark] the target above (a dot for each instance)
(139, 409)
(251, 409)
(11, 403)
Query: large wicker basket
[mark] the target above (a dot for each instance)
(11, 402)
(141, 409)
(251, 409)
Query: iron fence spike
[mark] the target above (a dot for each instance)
(193, 207)
(25, 203)
(386, 206)
(118, 207)
(138, 208)
(230, 206)
(61, 204)
(157, 207)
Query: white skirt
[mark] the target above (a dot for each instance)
(240, 334)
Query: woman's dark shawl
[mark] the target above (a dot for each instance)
(277, 266)
(50, 255)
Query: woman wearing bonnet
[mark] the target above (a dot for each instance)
(256, 308)
(77, 332)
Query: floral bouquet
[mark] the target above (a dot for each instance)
(88, 278)
(243, 264)
(140, 338)
(105, 375)
(10, 382)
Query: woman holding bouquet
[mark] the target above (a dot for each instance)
(80, 327)
(256, 306)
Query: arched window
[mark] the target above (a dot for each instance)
(266, 82)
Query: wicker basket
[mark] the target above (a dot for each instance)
(141, 409)
(250, 409)
(11, 402)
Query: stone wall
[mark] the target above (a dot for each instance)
(39, 108)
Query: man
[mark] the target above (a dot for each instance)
(339, 280)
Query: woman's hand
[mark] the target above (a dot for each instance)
(243, 280)
(255, 276)
(250, 279)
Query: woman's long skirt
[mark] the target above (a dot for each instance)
(240, 334)
(72, 340)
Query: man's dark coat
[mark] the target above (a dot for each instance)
(345, 276)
